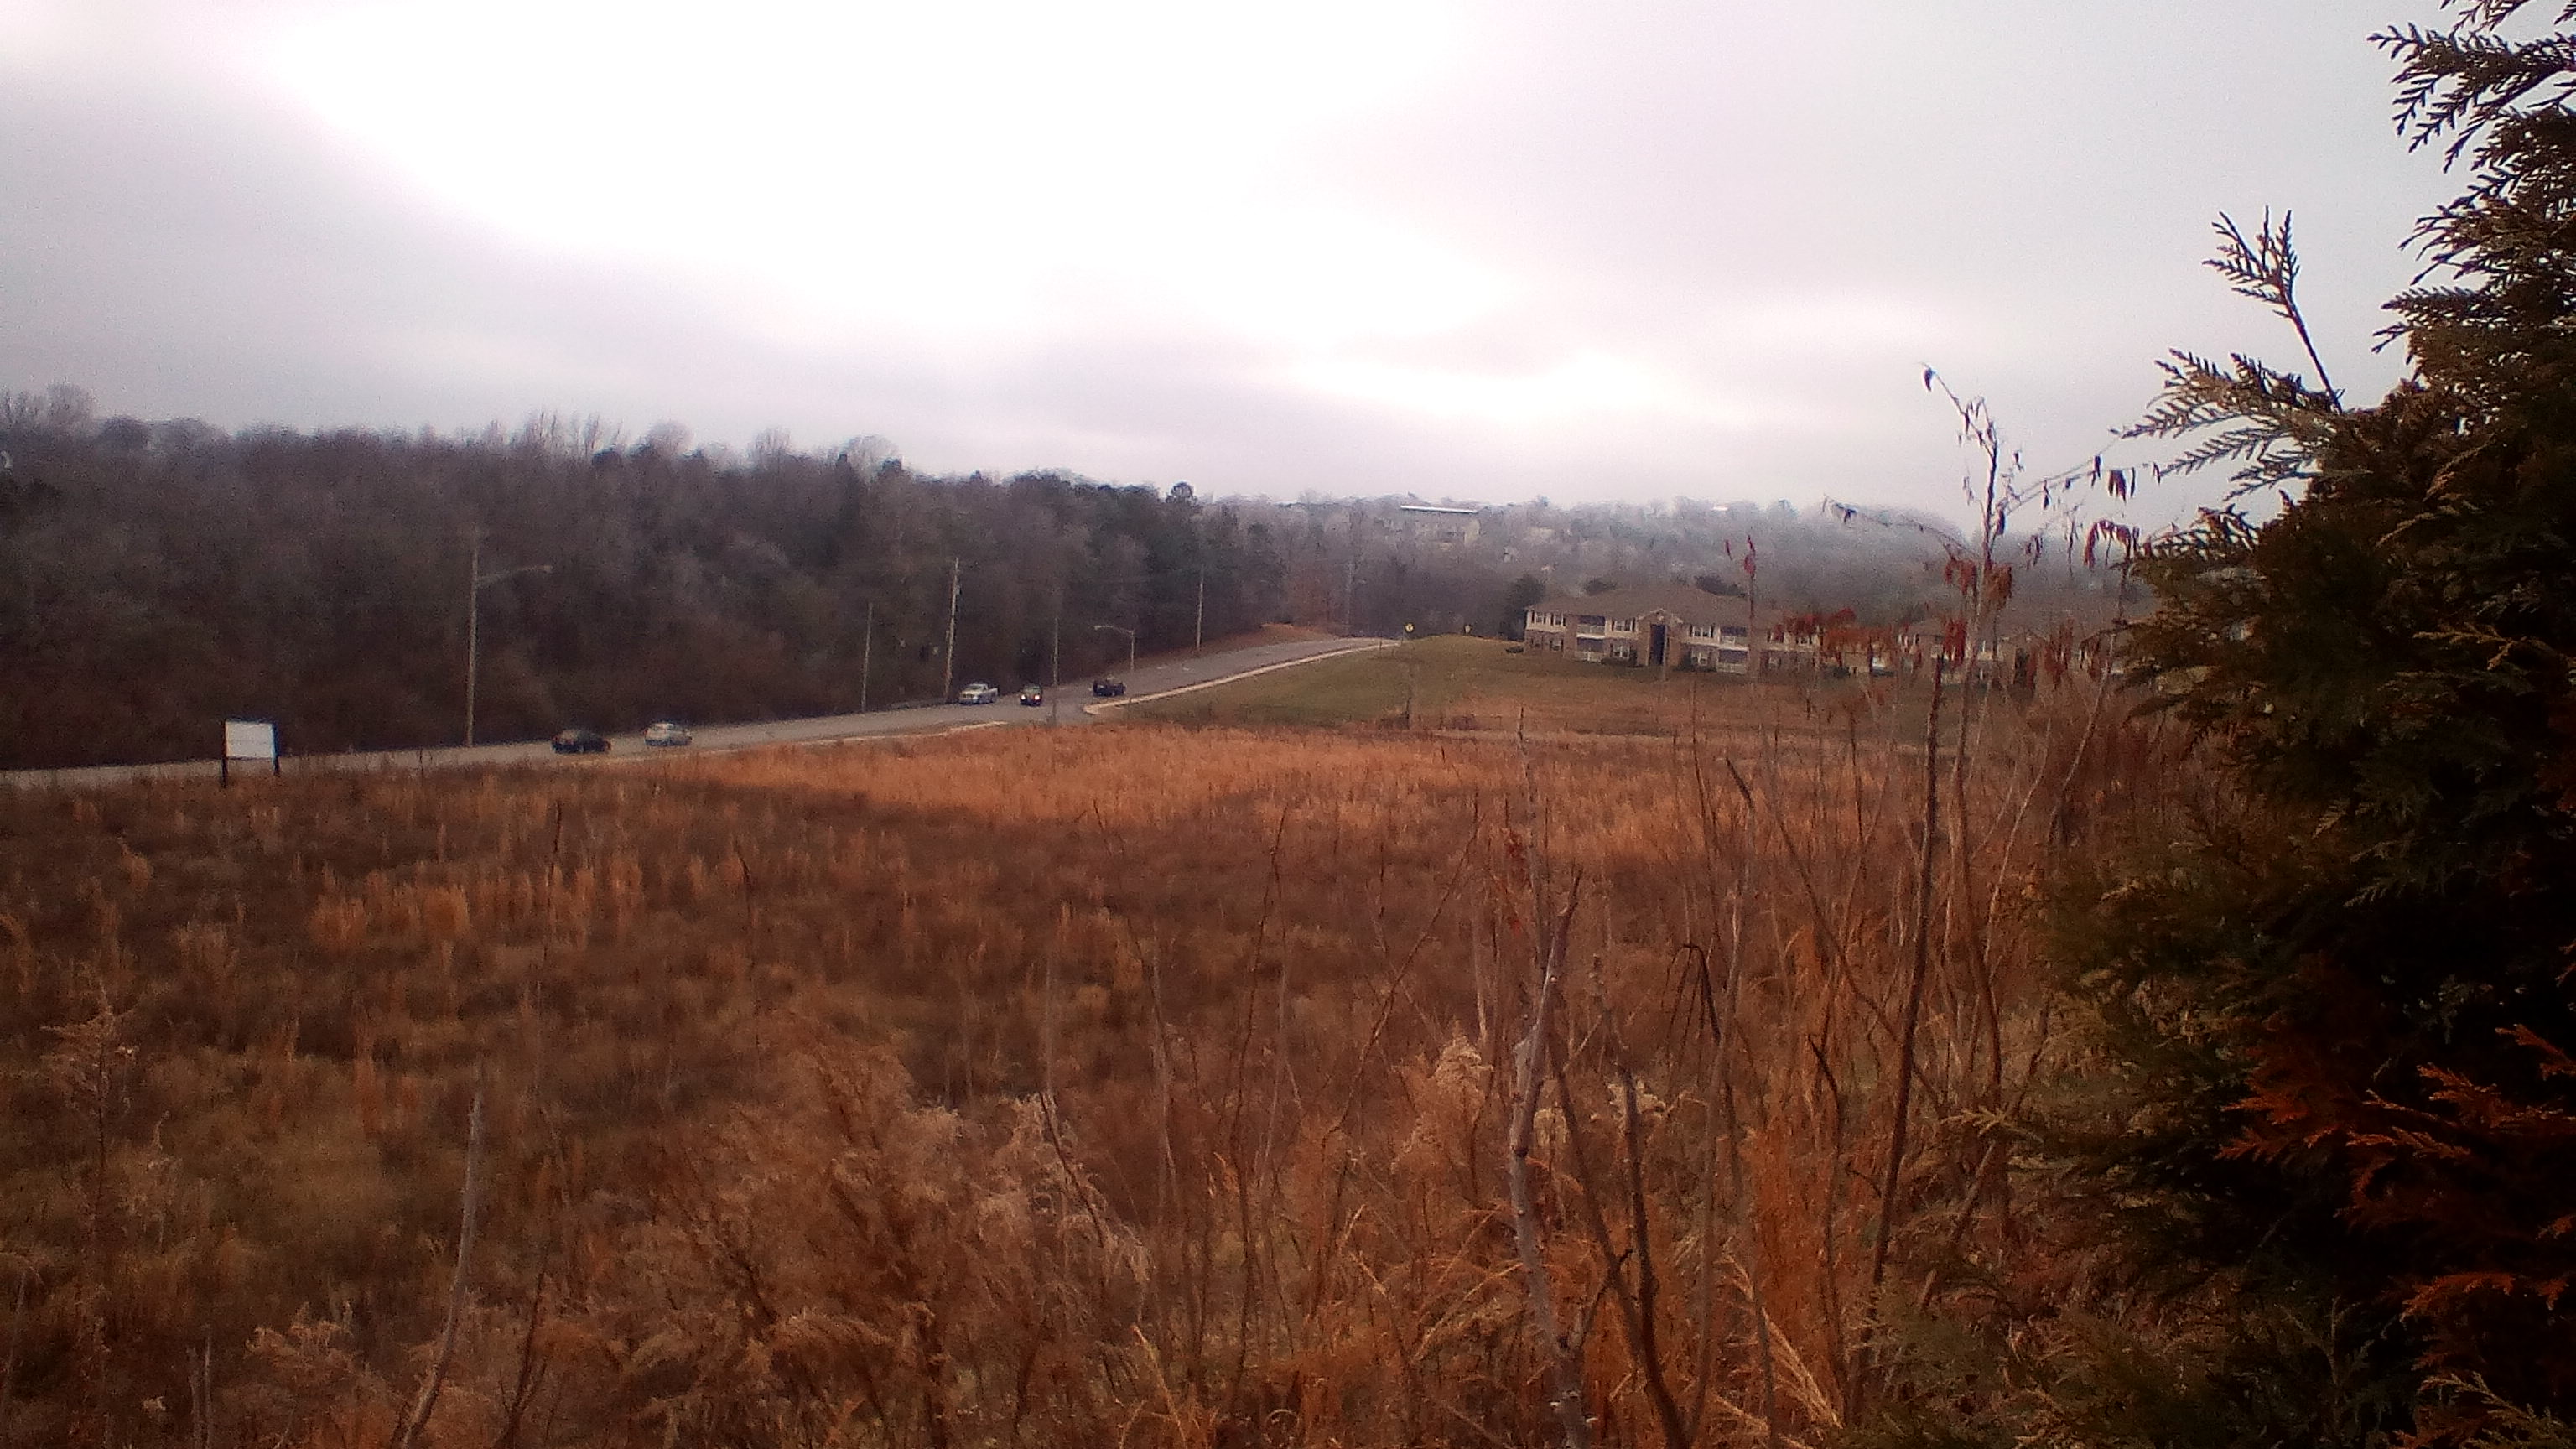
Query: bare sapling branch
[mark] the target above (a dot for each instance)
(1724, 1031)
(1637, 1305)
(428, 1400)
(1548, 940)
(1891, 1179)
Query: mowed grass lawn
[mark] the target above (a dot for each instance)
(1463, 683)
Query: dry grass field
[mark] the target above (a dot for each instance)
(1464, 683)
(1137, 1085)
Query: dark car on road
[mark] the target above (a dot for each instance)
(579, 741)
(1108, 688)
(1030, 694)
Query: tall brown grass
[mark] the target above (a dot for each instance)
(1108, 1085)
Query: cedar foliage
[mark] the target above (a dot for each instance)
(2330, 1114)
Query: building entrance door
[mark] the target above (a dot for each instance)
(1655, 648)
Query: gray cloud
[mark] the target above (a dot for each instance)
(1739, 235)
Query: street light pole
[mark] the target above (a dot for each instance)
(477, 582)
(867, 652)
(1131, 642)
(473, 627)
(1198, 624)
(948, 652)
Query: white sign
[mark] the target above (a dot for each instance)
(250, 739)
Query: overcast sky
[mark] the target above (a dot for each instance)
(1468, 249)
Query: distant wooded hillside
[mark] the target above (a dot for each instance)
(156, 577)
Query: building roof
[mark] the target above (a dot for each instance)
(1437, 508)
(1682, 601)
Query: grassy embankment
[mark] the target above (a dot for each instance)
(1139, 1085)
(1458, 682)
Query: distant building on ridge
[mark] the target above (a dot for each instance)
(1668, 624)
(1440, 527)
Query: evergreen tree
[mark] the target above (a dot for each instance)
(2337, 1110)
(1518, 599)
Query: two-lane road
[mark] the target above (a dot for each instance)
(1071, 706)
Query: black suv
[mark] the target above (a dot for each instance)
(579, 741)
(1108, 688)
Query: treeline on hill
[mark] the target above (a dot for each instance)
(157, 577)
(163, 576)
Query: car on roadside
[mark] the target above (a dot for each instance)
(579, 741)
(667, 733)
(1032, 695)
(978, 693)
(1108, 687)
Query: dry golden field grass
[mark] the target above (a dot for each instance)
(1466, 683)
(1133, 1085)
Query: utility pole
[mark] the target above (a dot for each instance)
(948, 653)
(473, 626)
(1055, 657)
(867, 651)
(1754, 633)
(1131, 642)
(1198, 629)
(476, 581)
